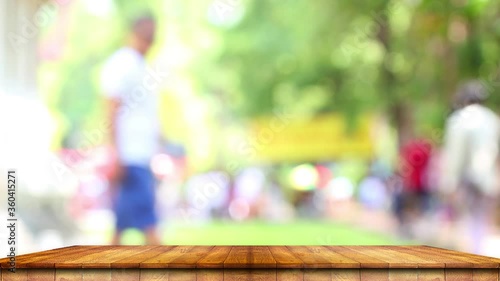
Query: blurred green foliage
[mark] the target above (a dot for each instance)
(249, 57)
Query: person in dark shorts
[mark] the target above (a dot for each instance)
(134, 132)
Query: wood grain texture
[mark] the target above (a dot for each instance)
(485, 274)
(476, 260)
(20, 274)
(51, 260)
(458, 274)
(379, 274)
(448, 260)
(249, 274)
(346, 274)
(209, 274)
(289, 275)
(96, 274)
(431, 274)
(182, 274)
(4, 262)
(150, 274)
(394, 259)
(23, 261)
(134, 260)
(214, 258)
(421, 259)
(46, 252)
(285, 258)
(190, 258)
(102, 258)
(165, 259)
(63, 274)
(317, 274)
(125, 274)
(403, 274)
(322, 257)
(41, 274)
(415, 263)
(365, 261)
(250, 257)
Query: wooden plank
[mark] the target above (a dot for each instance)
(19, 275)
(477, 261)
(289, 275)
(285, 258)
(134, 260)
(431, 274)
(215, 258)
(51, 260)
(342, 274)
(101, 258)
(482, 274)
(64, 274)
(403, 257)
(249, 274)
(321, 257)
(125, 274)
(394, 259)
(106, 260)
(317, 274)
(164, 259)
(364, 260)
(156, 274)
(458, 274)
(250, 257)
(191, 257)
(209, 274)
(182, 274)
(93, 274)
(41, 274)
(23, 260)
(336, 260)
(75, 260)
(379, 274)
(436, 257)
(403, 274)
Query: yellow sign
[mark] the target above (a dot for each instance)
(326, 137)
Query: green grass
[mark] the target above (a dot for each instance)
(262, 233)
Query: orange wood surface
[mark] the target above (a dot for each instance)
(416, 263)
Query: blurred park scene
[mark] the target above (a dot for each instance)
(286, 122)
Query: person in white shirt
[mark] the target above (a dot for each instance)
(134, 132)
(471, 154)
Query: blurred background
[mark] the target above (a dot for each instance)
(285, 120)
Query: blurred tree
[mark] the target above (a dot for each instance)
(250, 57)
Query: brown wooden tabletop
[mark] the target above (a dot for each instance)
(239, 262)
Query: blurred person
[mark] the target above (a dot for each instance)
(470, 168)
(207, 195)
(134, 132)
(413, 199)
(247, 193)
(372, 192)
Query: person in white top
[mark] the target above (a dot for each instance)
(134, 131)
(471, 154)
